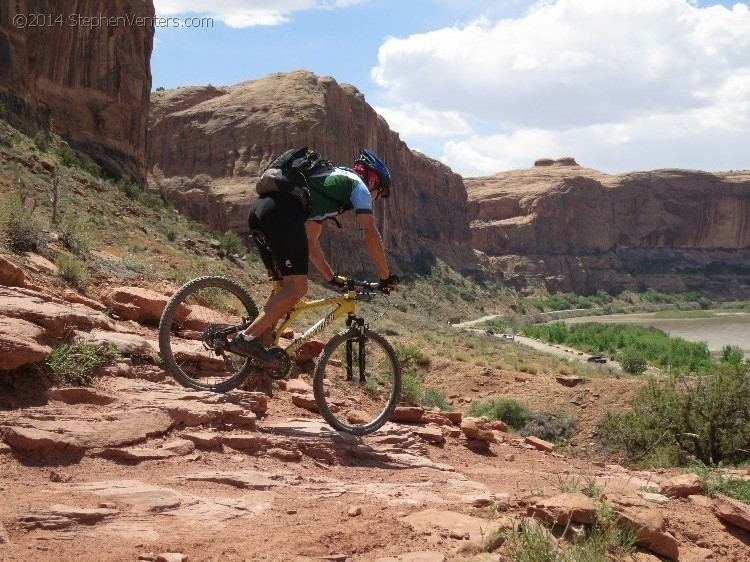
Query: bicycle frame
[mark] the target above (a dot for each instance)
(344, 304)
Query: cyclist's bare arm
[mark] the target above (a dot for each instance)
(373, 243)
(313, 229)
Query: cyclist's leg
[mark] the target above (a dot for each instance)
(283, 249)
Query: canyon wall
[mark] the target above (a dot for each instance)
(570, 228)
(207, 146)
(87, 80)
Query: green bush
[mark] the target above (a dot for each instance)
(411, 387)
(550, 427)
(508, 410)
(603, 541)
(76, 237)
(656, 346)
(433, 398)
(21, 231)
(732, 354)
(682, 417)
(42, 140)
(633, 362)
(717, 481)
(411, 355)
(73, 271)
(231, 244)
(75, 363)
(76, 160)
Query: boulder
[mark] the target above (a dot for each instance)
(21, 343)
(407, 414)
(473, 429)
(564, 508)
(11, 275)
(54, 315)
(141, 305)
(732, 511)
(682, 486)
(539, 444)
(309, 351)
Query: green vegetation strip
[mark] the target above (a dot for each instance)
(629, 343)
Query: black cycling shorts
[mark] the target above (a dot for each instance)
(277, 224)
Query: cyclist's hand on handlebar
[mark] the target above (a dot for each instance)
(338, 283)
(389, 283)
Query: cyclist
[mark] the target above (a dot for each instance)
(287, 239)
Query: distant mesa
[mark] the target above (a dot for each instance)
(566, 161)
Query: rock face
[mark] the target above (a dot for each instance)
(90, 83)
(576, 229)
(207, 147)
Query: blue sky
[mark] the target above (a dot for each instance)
(486, 86)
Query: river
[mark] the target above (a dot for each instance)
(718, 330)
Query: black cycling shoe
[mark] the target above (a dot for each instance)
(249, 348)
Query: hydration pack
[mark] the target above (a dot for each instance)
(290, 173)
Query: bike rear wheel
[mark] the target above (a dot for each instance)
(357, 381)
(195, 328)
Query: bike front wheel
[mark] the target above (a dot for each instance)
(357, 381)
(195, 329)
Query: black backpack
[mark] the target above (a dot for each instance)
(290, 173)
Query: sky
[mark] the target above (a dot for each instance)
(486, 86)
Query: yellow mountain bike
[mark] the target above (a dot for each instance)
(357, 379)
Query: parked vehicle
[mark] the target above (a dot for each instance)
(597, 359)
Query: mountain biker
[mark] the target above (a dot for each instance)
(287, 239)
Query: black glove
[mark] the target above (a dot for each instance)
(389, 284)
(337, 283)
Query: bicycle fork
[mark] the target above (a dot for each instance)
(356, 357)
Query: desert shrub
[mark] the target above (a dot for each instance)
(633, 362)
(21, 231)
(717, 481)
(656, 346)
(550, 427)
(42, 140)
(681, 417)
(76, 237)
(71, 158)
(76, 363)
(606, 539)
(433, 398)
(508, 410)
(231, 244)
(135, 192)
(732, 354)
(411, 356)
(73, 271)
(411, 387)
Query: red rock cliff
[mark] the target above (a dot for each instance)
(87, 80)
(576, 229)
(208, 145)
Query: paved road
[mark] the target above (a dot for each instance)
(566, 353)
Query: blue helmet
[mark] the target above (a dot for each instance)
(371, 162)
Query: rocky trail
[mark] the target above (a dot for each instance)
(135, 467)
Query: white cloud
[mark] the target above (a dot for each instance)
(246, 13)
(416, 120)
(617, 82)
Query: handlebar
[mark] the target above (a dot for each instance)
(353, 284)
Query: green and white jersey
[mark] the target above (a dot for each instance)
(334, 192)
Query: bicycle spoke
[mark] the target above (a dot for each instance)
(196, 327)
(357, 382)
